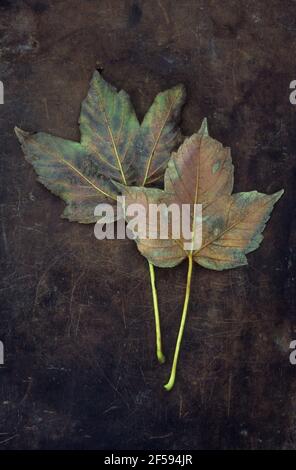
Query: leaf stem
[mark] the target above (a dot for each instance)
(172, 378)
(159, 353)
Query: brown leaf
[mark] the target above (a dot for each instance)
(201, 172)
(201, 169)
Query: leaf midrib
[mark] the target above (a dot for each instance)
(101, 105)
(86, 179)
(226, 230)
(157, 140)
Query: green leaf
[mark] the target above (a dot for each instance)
(113, 146)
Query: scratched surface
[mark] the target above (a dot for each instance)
(76, 314)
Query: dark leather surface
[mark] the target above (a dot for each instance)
(76, 314)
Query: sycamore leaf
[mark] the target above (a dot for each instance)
(113, 146)
(69, 172)
(79, 173)
(158, 135)
(201, 172)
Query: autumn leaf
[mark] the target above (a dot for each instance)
(201, 172)
(114, 146)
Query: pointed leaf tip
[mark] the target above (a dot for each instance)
(279, 194)
(181, 88)
(204, 127)
(21, 135)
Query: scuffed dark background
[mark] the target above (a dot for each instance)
(76, 314)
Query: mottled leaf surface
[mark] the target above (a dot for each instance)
(69, 172)
(160, 252)
(232, 228)
(201, 172)
(158, 135)
(201, 169)
(108, 126)
(113, 146)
